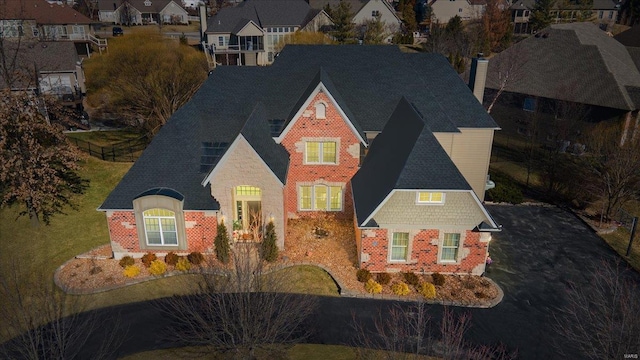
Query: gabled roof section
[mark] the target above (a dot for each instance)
(244, 24)
(574, 62)
(264, 13)
(630, 37)
(406, 155)
(356, 5)
(322, 82)
(257, 133)
(43, 12)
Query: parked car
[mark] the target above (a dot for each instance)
(117, 31)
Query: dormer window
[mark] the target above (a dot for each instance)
(430, 197)
(321, 111)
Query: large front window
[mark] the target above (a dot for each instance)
(450, 245)
(399, 246)
(320, 198)
(320, 152)
(160, 227)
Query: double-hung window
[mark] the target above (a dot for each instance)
(399, 246)
(160, 227)
(320, 152)
(425, 197)
(450, 246)
(320, 198)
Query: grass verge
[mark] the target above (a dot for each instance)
(619, 240)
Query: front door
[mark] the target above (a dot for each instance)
(248, 212)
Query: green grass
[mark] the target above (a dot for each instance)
(309, 280)
(104, 138)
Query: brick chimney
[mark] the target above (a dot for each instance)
(478, 76)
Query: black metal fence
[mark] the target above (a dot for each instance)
(128, 150)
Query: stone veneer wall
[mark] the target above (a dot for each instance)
(308, 127)
(201, 228)
(424, 253)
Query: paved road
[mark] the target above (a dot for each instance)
(539, 252)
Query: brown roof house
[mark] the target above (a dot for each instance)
(142, 12)
(565, 72)
(41, 20)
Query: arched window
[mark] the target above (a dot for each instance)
(321, 111)
(160, 227)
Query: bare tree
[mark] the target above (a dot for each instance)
(405, 332)
(505, 70)
(42, 322)
(240, 310)
(600, 318)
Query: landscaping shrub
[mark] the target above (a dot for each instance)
(506, 189)
(157, 267)
(196, 258)
(183, 264)
(400, 288)
(131, 271)
(383, 278)
(148, 258)
(427, 290)
(438, 279)
(127, 261)
(269, 248)
(221, 244)
(171, 258)
(373, 287)
(411, 278)
(363, 275)
(481, 295)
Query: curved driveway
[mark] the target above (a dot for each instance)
(539, 252)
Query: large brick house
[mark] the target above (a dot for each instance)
(296, 140)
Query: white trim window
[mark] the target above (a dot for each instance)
(427, 197)
(321, 110)
(399, 247)
(320, 152)
(320, 198)
(160, 227)
(449, 248)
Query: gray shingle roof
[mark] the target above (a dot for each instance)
(264, 13)
(356, 5)
(597, 5)
(406, 155)
(368, 81)
(630, 37)
(575, 62)
(156, 5)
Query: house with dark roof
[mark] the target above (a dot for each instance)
(249, 33)
(567, 73)
(142, 12)
(33, 20)
(601, 12)
(394, 141)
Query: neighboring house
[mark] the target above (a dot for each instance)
(443, 10)
(364, 10)
(142, 12)
(296, 140)
(250, 33)
(566, 77)
(602, 12)
(40, 20)
(55, 65)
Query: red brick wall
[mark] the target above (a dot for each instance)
(424, 254)
(124, 234)
(334, 126)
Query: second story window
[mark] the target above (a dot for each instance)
(320, 152)
(430, 198)
(375, 13)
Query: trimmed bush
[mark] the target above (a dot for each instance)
(221, 244)
(427, 290)
(373, 287)
(183, 264)
(411, 278)
(157, 267)
(171, 258)
(126, 261)
(269, 247)
(363, 275)
(131, 271)
(148, 258)
(438, 279)
(400, 288)
(196, 258)
(383, 278)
